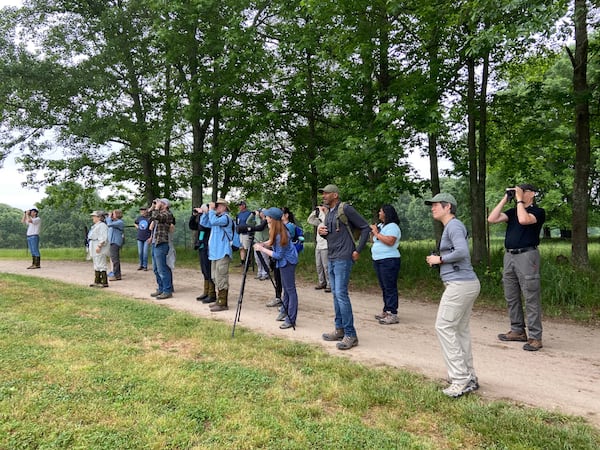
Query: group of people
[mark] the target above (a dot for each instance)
(155, 226)
(342, 234)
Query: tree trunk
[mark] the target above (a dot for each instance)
(579, 243)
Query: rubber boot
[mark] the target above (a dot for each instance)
(104, 279)
(205, 293)
(212, 293)
(221, 304)
(96, 282)
(37, 262)
(32, 266)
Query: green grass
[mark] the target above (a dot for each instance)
(566, 292)
(88, 370)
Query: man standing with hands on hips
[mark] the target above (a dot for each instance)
(521, 273)
(342, 254)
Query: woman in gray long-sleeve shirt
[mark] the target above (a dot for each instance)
(462, 288)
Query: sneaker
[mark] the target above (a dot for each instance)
(533, 345)
(275, 302)
(456, 390)
(155, 294)
(389, 319)
(285, 325)
(347, 343)
(382, 315)
(164, 296)
(512, 336)
(337, 335)
(282, 316)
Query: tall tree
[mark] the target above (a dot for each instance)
(579, 60)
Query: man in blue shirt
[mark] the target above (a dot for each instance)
(216, 216)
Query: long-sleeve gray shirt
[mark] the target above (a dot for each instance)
(454, 250)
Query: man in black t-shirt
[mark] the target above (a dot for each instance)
(521, 273)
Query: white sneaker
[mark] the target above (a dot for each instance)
(456, 390)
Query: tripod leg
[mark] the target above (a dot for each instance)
(238, 310)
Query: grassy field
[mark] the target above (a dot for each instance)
(566, 292)
(83, 369)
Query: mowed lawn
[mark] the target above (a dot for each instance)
(85, 369)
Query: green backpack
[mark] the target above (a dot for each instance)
(342, 217)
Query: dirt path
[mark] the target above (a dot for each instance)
(564, 376)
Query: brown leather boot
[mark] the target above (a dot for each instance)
(221, 304)
(32, 266)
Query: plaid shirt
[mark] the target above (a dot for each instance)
(162, 223)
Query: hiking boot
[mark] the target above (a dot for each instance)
(327, 289)
(382, 315)
(320, 286)
(164, 296)
(281, 317)
(155, 294)
(337, 335)
(218, 308)
(285, 325)
(389, 319)
(274, 302)
(347, 343)
(533, 345)
(512, 336)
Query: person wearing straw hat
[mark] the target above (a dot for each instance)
(216, 216)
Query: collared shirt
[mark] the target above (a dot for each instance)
(221, 234)
(162, 223)
(521, 236)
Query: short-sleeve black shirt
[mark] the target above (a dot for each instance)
(521, 236)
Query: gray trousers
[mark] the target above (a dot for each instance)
(452, 326)
(321, 264)
(521, 276)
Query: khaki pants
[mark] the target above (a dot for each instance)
(453, 331)
(219, 271)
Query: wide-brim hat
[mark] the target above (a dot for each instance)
(442, 197)
(222, 201)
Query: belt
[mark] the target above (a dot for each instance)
(517, 251)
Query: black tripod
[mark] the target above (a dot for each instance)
(238, 310)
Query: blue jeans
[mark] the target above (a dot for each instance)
(164, 276)
(33, 242)
(339, 277)
(290, 296)
(143, 253)
(387, 271)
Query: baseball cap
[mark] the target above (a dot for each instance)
(442, 197)
(329, 189)
(528, 187)
(242, 202)
(273, 213)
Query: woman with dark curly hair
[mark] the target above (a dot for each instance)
(386, 261)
